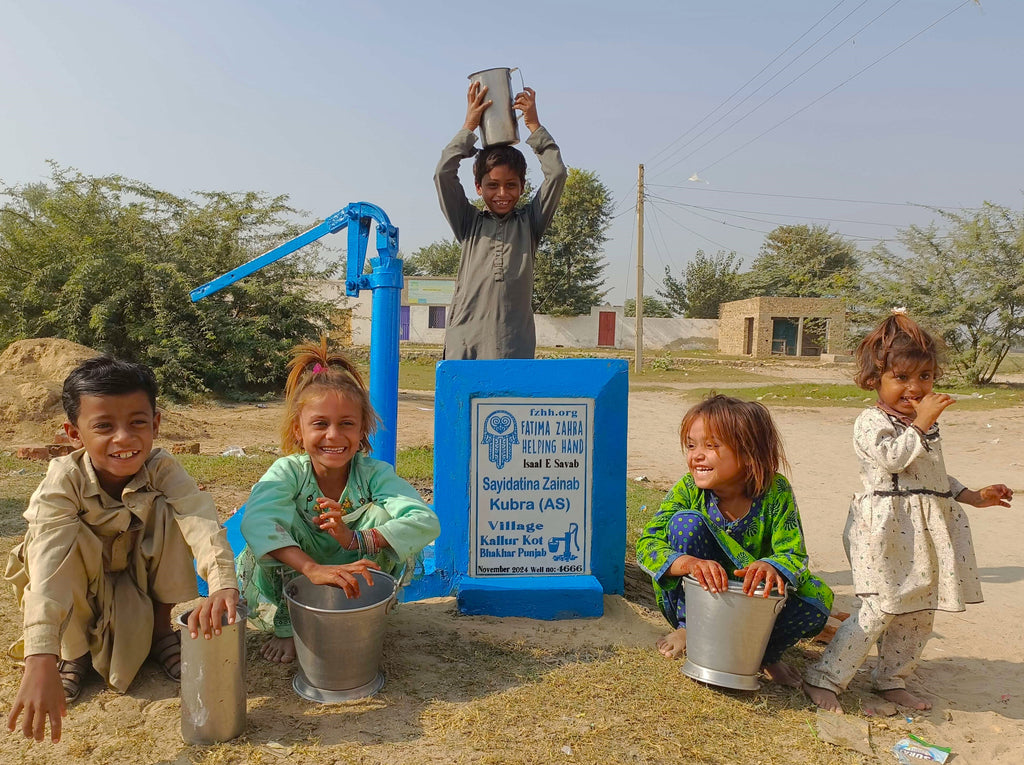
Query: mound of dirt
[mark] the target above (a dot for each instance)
(32, 374)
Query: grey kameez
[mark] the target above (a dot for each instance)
(491, 313)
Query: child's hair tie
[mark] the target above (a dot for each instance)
(317, 368)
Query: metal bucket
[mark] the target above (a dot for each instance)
(213, 682)
(338, 640)
(498, 126)
(727, 633)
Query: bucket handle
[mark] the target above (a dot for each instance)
(392, 601)
(781, 603)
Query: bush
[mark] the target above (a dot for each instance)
(109, 263)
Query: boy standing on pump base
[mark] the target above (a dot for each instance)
(112, 531)
(492, 306)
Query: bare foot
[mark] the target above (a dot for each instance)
(281, 650)
(824, 698)
(905, 698)
(673, 645)
(782, 673)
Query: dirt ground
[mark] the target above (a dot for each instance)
(973, 667)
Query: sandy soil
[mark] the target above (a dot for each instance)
(972, 667)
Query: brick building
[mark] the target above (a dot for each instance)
(786, 326)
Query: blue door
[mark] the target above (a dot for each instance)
(403, 323)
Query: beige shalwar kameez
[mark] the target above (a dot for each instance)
(91, 566)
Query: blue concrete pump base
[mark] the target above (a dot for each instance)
(535, 597)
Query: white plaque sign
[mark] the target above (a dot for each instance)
(531, 481)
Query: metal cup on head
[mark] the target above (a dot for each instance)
(498, 125)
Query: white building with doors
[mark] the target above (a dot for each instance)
(426, 301)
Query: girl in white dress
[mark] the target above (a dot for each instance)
(907, 537)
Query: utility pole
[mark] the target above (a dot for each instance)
(638, 363)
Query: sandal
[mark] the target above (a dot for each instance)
(167, 653)
(72, 675)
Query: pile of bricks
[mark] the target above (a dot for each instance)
(61, 445)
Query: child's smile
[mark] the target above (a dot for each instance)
(903, 389)
(330, 429)
(500, 189)
(713, 463)
(118, 433)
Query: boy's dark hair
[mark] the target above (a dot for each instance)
(493, 156)
(105, 376)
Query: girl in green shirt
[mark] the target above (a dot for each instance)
(326, 509)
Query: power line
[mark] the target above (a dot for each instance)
(774, 223)
(786, 215)
(695, 233)
(629, 260)
(624, 212)
(814, 198)
(834, 89)
(616, 204)
(691, 209)
(777, 92)
(763, 69)
(658, 233)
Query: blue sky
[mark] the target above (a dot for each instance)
(334, 102)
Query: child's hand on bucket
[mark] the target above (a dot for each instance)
(207, 618)
(761, 571)
(343, 576)
(709, 574)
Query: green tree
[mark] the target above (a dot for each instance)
(440, 258)
(966, 284)
(653, 308)
(804, 261)
(706, 282)
(569, 264)
(109, 262)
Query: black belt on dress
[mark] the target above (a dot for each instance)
(908, 492)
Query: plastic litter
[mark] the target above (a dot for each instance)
(913, 750)
(233, 451)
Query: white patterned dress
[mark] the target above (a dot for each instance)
(910, 549)
(908, 539)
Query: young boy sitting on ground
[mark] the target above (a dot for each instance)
(492, 306)
(112, 532)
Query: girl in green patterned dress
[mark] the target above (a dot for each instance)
(733, 515)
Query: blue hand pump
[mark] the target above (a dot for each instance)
(385, 281)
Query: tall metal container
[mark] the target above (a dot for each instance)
(213, 682)
(498, 126)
